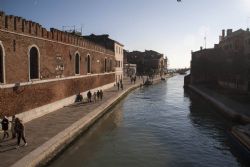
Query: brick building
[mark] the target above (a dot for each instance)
(227, 64)
(146, 62)
(116, 47)
(41, 71)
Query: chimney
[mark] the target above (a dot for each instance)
(223, 33)
(201, 48)
(229, 32)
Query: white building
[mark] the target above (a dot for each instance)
(119, 61)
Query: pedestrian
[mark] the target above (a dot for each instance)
(20, 130)
(131, 79)
(94, 96)
(121, 85)
(98, 94)
(79, 97)
(13, 125)
(118, 85)
(101, 94)
(5, 127)
(89, 96)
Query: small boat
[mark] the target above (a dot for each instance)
(147, 82)
(182, 73)
(239, 136)
(163, 79)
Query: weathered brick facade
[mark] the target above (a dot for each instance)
(56, 58)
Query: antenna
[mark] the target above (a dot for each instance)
(205, 40)
(248, 18)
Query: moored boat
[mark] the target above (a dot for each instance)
(240, 137)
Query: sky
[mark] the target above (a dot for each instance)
(166, 26)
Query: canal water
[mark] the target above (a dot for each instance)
(156, 126)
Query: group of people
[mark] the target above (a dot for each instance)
(133, 79)
(17, 129)
(119, 85)
(96, 95)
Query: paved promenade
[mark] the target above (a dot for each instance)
(40, 131)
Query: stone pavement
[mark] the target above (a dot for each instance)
(40, 130)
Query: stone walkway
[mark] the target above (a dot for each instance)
(40, 130)
(231, 107)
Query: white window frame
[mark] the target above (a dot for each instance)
(78, 63)
(38, 52)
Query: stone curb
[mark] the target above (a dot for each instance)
(223, 107)
(49, 149)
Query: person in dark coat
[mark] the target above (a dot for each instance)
(101, 94)
(5, 127)
(79, 97)
(13, 130)
(98, 94)
(118, 85)
(89, 96)
(20, 132)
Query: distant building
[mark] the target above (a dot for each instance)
(113, 45)
(227, 64)
(147, 62)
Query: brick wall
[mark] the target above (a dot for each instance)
(56, 49)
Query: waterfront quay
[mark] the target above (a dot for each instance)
(159, 126)
(49, 134)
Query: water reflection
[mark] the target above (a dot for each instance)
(156, 126)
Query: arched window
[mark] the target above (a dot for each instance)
(88, 64)
(105, 65)
(77, 63)
(34, 63)
(1, 65)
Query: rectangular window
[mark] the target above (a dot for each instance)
(1, 66)
(30, 27)
(14, 23)
(6, 22)
(23, 26)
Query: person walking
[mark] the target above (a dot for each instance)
(94, 96)
(89, 96)
(5, 127)
(98, 94)
(118, 85)
(101, 94)
(121, 85)
(20, 132)
(13, 125)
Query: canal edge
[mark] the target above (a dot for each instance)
(48, 150)
(223, 108)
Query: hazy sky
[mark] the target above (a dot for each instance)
(166, 26)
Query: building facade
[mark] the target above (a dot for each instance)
(147, 62)
(116, 47)
(227, 64)
(42, 70)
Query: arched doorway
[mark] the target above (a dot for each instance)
(88, 64)
(1, 65)
(105, 65)
(34, 63)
